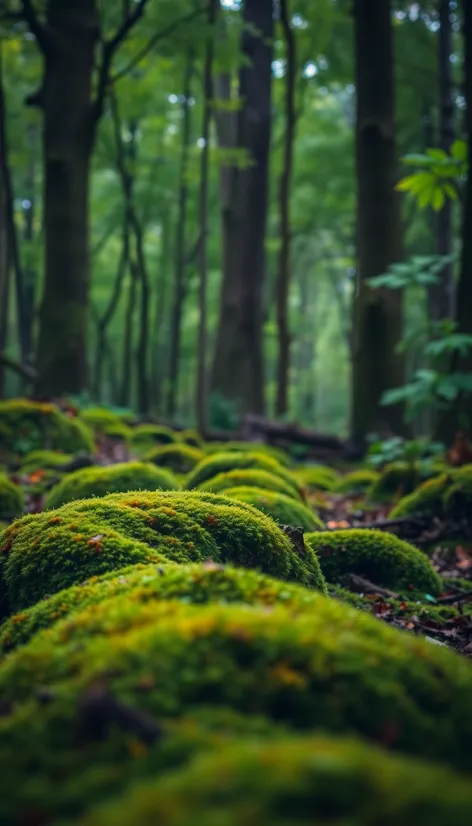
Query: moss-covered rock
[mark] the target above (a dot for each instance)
(145, 436)
(357, 482)
(398, 479)
(281, 456)
(192, 437)
(105, 422)
(378, 556)
(179, 458)
(284, 509)
(11, 499)
(318, 477)
(100, 480)
(446, 495)
(235, 460)
(27, 425)
(44, 460)
(290, 781)
(252, 478)
(197, 583)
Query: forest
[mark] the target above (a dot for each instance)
(235, 412)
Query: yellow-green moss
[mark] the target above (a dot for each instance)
(447, 495)
(396, 480)
(144, 436)
(44, 460)
(284, 509)
(98, 481)
(11, 499)
(249, 478)
(192, 437)
(317, 477)
(101, 420)
(357, 482)
(27, 425)
(281, 456)
(197, 583)
(236, 460)
(295, 782)
(378, 556)
(180, 458)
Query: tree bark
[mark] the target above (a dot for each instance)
(284, 264)
(238, 370)
(5, 269)
(125, 394)
(377, 313)
(180, 254)
(202, 388)
(441, 295)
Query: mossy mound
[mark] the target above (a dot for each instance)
(318, 477)
(263, 479)
(145, 436)
(236, 460)
(104, 422)
(357, 482)
(281, 456)
(243, 535)
(98, 481)
(192, 437)
(290, 781)
(197, 583)
(179, 458)
(27, 425)
(333, 668)
(378, 556)
(284, 509)
(44, 460)
(446, 495)
(394, 481)
(11, 499)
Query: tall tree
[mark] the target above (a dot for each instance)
(283, 276)
(69, 37)
(377, 313)
(238, 371)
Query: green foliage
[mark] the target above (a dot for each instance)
(248, 477)
(418, 271)
(357, 482)
(354, 782)
(98, 481)
(380, 557)
(439, 176)
(235, 460)
(11, 499)
(27, 425)
(284, 509)
(384, 451)
(180, 458)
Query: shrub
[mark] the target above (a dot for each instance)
(26, 425)
(446, 495)
(98, 481)
(143, 436)
(198, 583)
(318, 477)
(192, 437)
(249, 478)
(180, 458)
(11, 499)
(235, 460)
(289, 781)
(44, 460)
(378, 556)
(357, 482)
(284, 509)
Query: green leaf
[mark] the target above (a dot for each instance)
(459, 150)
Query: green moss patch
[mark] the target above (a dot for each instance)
(378, 556)
(283, 509)
(179, 458)
(44, 460)
(11, 499)
(317, 477)
(26, 425)
(144, 436)
(223, 462)
(357, 482)
(444, 496)
(249, 478)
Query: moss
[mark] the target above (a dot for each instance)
(197, 583)
(243, 535)
(98, 481)
(11, 499)
(333, 668)
(284, 509)
(26, 425)
(144, 436)
(104, 422)
(394, 481)
(378, 556)
(224, 462)
(192, 437)
(318, 477)
(44, 460)
(446, 495)
(263, 479)
(180, 458)
(289, 781)
(357, 482)
(281, 456)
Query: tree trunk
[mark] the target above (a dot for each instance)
(202, 388)
(125, 394)
(68, 132)
(4, 245)
(142, 352)
(238, 372)
(377, 313)
(283, 278)
(441, 295)
(180, 253)
(30, 273)
(158, 358)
